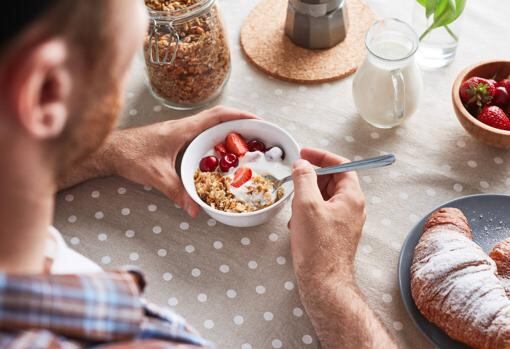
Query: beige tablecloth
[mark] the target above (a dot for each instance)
(236, 285)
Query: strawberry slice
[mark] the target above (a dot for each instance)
(236, 144)
(220, 149)
(241, 176)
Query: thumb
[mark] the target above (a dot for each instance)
(305, 182)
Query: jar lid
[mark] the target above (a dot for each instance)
(194, 9)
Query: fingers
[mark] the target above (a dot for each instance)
(306, 190)
(216, 115)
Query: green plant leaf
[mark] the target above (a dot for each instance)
(444, 11)
(422, 2)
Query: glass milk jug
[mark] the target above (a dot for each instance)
(388, 85)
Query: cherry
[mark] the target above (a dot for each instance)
(256, 145)
(228, 161)
(208, 164)
(501, 97)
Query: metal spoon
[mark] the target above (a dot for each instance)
(378, 161)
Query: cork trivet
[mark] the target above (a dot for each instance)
(265, 44)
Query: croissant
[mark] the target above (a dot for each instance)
(457, 286)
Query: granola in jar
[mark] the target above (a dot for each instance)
(186, 52)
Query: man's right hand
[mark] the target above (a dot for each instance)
(328, 213)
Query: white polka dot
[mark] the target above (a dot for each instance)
(285, 109)
(152, 208)
(246, 346)
(260, 289)
(184, 226)
(99, 215)
(121, 191)
(211, 222)
(95, 194)
(162, 252)
(130, 233)
(69, 197)
(238, 320)
(302, 88)
(498, 160)
(472, 163)
(377, 273)
(202, 297)
(367, 179)
(75, 241)
(208, 324)
(507, 181)
(387, 298)
(133, 112)
(458, 187)
(167, 276)
(268, 316)
(461, 143)
(224, 268)
(276, 343)
(125, 211)
(349, 139)
(386, 222)
(147, 188)
(307, 339)
(72, 219)
(324, 142)
(130, 94)
(393, 174)
(278, 92)
(102, 237)
(366, 249)
(400, 131)
(273, 236)
(156, 229)
(397, 325)
(245, 241)
(297, 312)
(196, 272)
(252, 265)
(289, 285)
(218, 245)
(403, 196)
(172, 301)
(106, 260)
(134, 256)
(281, 260)
(484, 185)
(413, 218)
(254, 95)
(374, 135)
(446, 167)
(431, 192)
(375, 200)
(157, 108)
(231, 294)
(357, 158)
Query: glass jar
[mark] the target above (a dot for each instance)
(186, 52)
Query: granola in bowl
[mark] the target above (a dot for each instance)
(234, 178)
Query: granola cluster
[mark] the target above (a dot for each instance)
(202, 62)
(214, 189)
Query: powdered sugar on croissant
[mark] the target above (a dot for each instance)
(455, 284)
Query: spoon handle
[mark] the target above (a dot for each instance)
(378, 161)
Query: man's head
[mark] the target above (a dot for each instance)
(61, 74)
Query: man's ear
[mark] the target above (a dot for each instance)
(39, 88)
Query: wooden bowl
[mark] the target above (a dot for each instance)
(484, 133)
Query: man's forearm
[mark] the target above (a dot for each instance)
(342, 318)
(95, 165)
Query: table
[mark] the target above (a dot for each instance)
(236, 285)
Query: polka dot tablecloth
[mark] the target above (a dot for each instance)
(236, 285)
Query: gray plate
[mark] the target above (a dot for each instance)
(489, 218)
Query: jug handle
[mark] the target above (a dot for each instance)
(399, 94)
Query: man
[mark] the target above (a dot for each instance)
(62, 67)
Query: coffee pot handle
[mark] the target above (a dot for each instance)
(399, 94)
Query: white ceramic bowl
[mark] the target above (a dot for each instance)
(270, 134)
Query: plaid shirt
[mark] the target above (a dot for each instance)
(102, 310)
